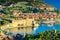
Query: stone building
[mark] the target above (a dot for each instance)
(16, 12)
(20, 26)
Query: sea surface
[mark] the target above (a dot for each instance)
(45, 27)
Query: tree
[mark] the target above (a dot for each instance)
(8, 0)
(2, 2)
(58, 11)
(47, 35)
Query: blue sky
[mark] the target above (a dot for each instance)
(55, 3)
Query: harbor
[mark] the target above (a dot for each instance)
(29, 20)
(18, 26)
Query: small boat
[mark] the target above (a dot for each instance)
(35, 29)
(50, 25)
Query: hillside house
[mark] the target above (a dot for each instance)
(18, 26)
(50, 8)
(16, 12)
(42, 7)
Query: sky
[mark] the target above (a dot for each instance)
(55, 3)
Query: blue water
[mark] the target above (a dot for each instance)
(55, 3)
(45, 27)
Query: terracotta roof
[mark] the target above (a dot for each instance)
(42, 7)
(16, 11)
(49, 6)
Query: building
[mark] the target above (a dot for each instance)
(16, 12)
(20, 26)
(42, 7)
(50, 8)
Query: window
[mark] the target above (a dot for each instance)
(18, 24)
(21, 24)
(21, 27)
(18, 28)
(30, 17)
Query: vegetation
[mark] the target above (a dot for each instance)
(8, 10)
(3, 22)
(58, 11)
(25, 8)
(15, 1)
(2, 1)
(47, 35)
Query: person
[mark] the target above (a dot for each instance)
(18, 36)
(2, 37)
(10, 37)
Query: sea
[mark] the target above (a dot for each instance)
(45, 27)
